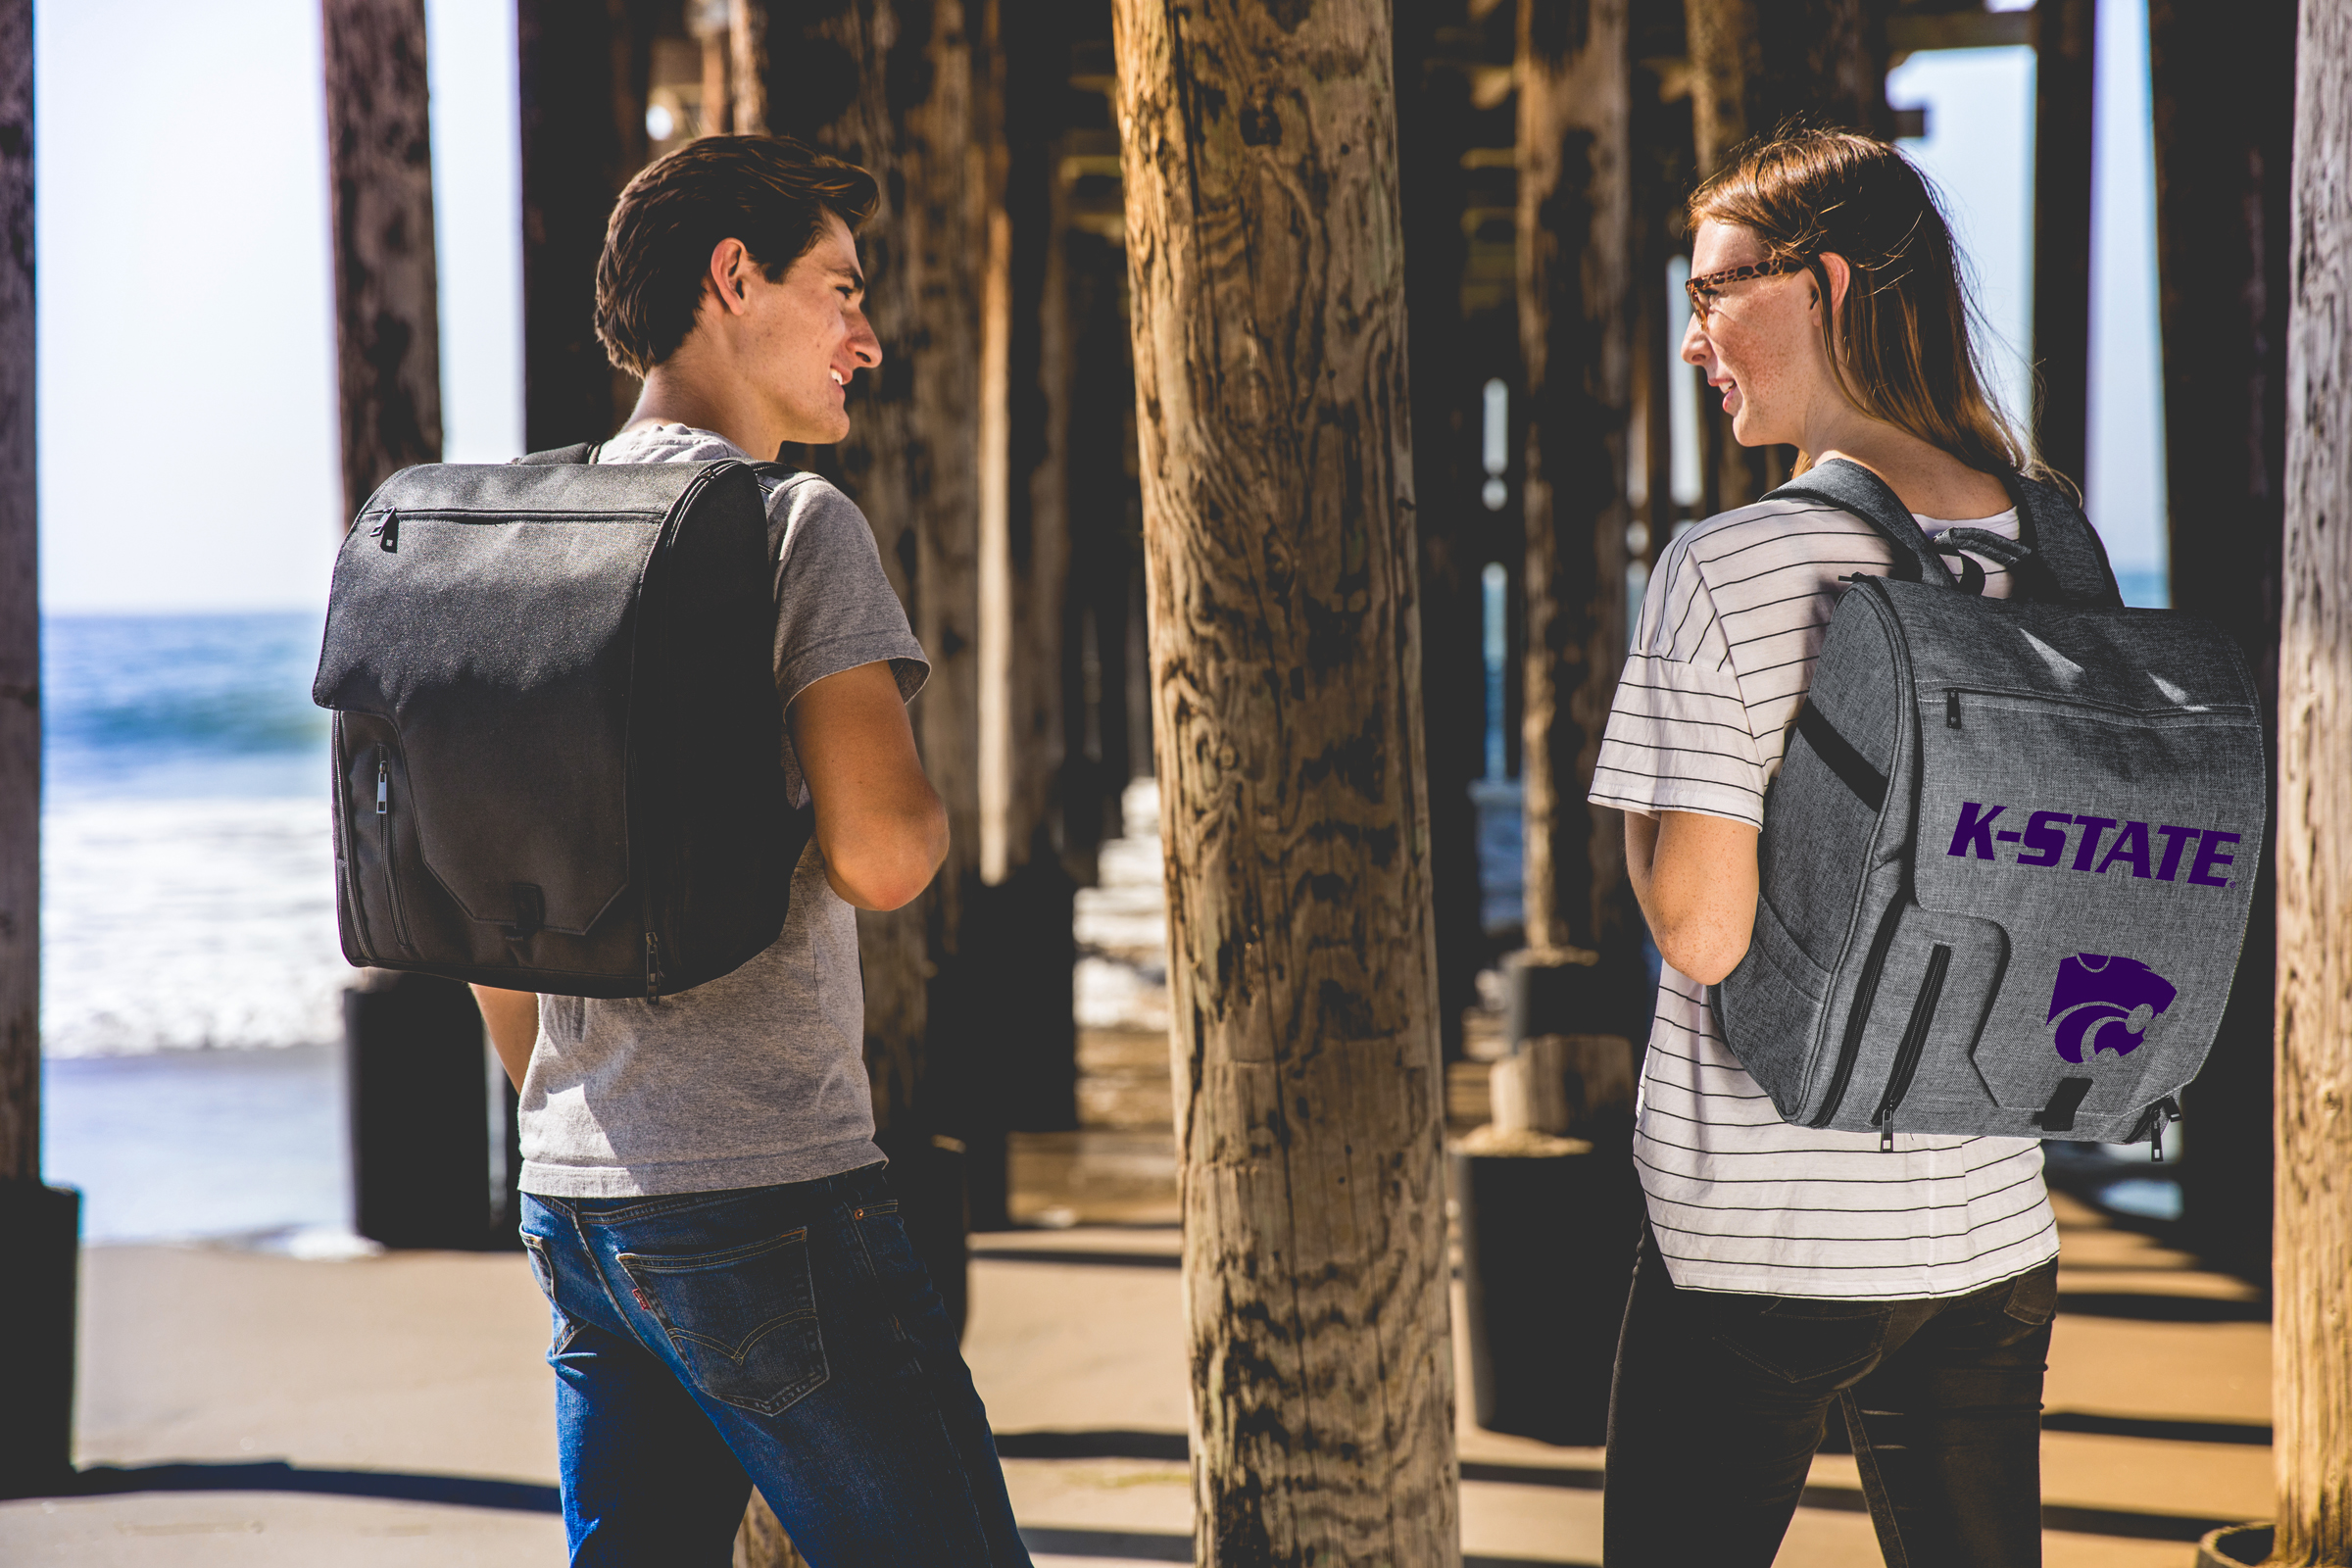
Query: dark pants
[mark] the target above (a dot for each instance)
(1720, 1401)
(779, 1334)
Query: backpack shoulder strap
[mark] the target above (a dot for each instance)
(2069, 564)
(1851, 487)
(579, 452)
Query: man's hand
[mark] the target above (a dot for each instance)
(1695, 876)
(880, 824)
(513, 1018)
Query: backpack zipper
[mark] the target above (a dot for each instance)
(1866, 991)
(1914, 1042)
(653, 967)
(383, 835)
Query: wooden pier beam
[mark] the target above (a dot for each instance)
(1757, 67)
(19, 622)
(581, 93)
(42, 1224)
(2312, 1388)
(2064, 58)
(1434, 131)
(1576, 248)
(890, 87)
(379, 151)
(1265, 259)
(2224, 100)
(1022, 925)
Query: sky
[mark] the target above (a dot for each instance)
(186, 377)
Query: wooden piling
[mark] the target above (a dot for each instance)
(2311, 1367)
(1758, 67)
(19, 622)
(2224, 102)
(581, 96)
(1264, 253)
(1434, 131)
(379, 151)
(1575, 308)
(2064, 51)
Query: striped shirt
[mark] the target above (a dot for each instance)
(1739, 1198)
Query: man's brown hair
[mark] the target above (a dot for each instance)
(1901, 347)
(770, 192)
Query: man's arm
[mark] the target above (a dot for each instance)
(879, 823)
(1695, 876)
(513, 1019)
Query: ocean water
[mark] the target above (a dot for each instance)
(189, 882)
(190, 973)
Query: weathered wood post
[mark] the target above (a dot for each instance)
(1433, 132)
(1757, 66)
(380, 179)
(2224, 92)
(890, 87)
(2311, 1398)
(19, 622)
(1575, 247)
(42, 1224)
(1266, 268)
(413, 1045)
(2065, 34)
(1024, 949)
(579, 91)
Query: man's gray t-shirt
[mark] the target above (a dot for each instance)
(757, 1077)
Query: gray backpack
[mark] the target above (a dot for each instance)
(2005, 876)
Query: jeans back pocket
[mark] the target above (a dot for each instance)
(742, 1320)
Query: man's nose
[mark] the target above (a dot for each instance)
(863, 344)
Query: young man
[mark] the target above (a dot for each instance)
(735, 1300)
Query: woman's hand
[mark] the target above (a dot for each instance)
(1697, 879)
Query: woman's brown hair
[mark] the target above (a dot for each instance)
(1900, 348)
(770, 192)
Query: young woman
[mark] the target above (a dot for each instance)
(1787, 1269)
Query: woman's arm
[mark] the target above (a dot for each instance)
(1695, 876)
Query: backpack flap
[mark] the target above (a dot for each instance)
(486, 651)
(2092, 784)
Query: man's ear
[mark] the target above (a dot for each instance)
(730, 269)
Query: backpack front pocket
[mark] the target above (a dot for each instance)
(378, 848)
(1918, 1009)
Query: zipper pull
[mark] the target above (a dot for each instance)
(2167, 1110)
(388, 532)
(653, 967)
(383, 788)
(1887, 1137)
(1951, 709)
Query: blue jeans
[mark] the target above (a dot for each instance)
(783, 1336)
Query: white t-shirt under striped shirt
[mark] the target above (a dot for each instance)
(1739, 1200)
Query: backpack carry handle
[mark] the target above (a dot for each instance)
(2058, 558)
(1850, 487)
(578, 451)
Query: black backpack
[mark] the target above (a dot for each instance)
(558, 748)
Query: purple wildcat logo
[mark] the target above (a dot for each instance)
(2105, 1003)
